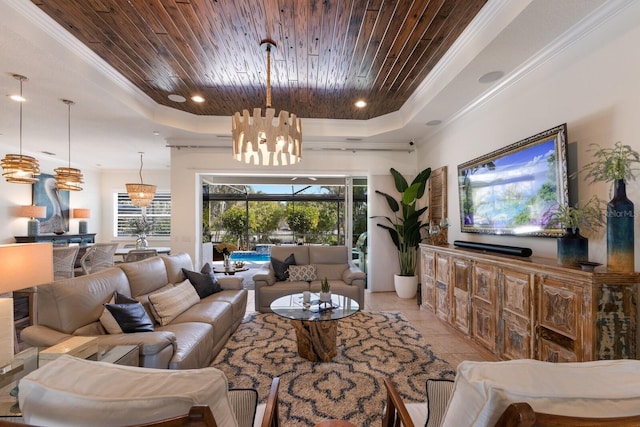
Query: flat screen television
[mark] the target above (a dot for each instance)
(512, 191)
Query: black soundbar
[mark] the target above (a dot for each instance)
(502, 249)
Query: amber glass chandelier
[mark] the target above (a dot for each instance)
(267, 140)
(142, 194)
(68, 178)
(20, 168)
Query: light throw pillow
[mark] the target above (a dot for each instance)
(438, 395)
(204, 282)
(302, 273)
(130, 315)
(169, 304)
(483, 390)
(108, 322)
(281, 268)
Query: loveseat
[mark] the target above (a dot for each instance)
(187, 333)
(331, 262)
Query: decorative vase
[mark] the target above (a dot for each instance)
(141, 241)
(620, 256)
(325, 296)
(227, 261)
(405, 286)
(573, 248)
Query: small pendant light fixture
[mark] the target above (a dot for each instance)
(141, 195)
(68, 178)
(20, 168)
(261, 141)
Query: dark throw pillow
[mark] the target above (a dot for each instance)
(130, 314)
(204, 282)
(281, 268)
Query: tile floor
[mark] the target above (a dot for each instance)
(448, 343)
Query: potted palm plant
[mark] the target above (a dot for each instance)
(618, 164)
(573, 248)
(405, 228)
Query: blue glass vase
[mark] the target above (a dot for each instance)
(620, 256)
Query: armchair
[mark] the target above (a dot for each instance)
(76, 392)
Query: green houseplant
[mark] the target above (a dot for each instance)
(617, 164)
(406, 225)
(573, 248)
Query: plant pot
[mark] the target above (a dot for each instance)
(405, 286)
(620, 241)
(325, 296)
(573, 248)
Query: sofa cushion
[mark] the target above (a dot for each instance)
(328, 255)
(109, 323)
(174, 265)
(281, 268)
(168, 304)
(331, 271)
(131, 317)
(305, 273)
(146, 276)
(204, 282)
(483, 390)
(438, 395)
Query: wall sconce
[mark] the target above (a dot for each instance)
(21, 266)
(33, 212)
(82, 225)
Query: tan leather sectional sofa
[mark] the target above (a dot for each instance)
(73, 307)
(332, 262)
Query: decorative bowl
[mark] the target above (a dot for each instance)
(588, 265)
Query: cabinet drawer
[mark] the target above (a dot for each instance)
(516, 339)
(552, 352)
(560, 308)
(517, 292)
(484, 282)
(483, 324)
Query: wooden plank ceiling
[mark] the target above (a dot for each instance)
(330, 53)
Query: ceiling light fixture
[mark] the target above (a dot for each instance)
(20, 168)
(491, 77)
(361, 103)
(261, 141)
(197, 98)
(142, 194)
(68, 178)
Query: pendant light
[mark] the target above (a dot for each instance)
(20, 168)
(141, 195)
(68, 178)
(260, 141)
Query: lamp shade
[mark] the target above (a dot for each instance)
(32, 211)
(82, 213)
(25, 265)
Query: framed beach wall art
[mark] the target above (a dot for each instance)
(46, 193)
(513, 190)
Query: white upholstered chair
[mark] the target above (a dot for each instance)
(74, 392)
(523, 393)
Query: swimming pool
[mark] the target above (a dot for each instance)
(249, 256)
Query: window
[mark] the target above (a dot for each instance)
(159, 213)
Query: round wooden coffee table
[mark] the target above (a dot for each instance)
(316, 328)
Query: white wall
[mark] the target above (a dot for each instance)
(15, 195)
(593, 86)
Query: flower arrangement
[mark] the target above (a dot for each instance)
(141, 225)
(226, 248)
(589, 216)
(612, 164)
(324, 286)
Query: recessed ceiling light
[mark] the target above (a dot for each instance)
(491, 76)
(361, 103)
(177, 98)
(197, 98)
(18, 98)
(434, 122)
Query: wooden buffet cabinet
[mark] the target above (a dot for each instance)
(521, 308)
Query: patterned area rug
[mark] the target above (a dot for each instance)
(371, 346)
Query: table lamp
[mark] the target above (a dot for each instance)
(21, 266)
(82, 225)
(33, 212)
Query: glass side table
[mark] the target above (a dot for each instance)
(23, 363)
